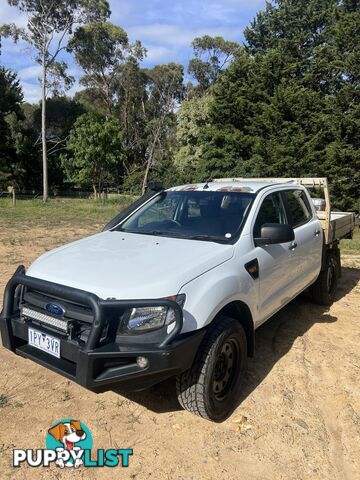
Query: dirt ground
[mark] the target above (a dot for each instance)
(298, 417)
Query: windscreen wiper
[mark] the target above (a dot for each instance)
(147, 232)
(211, 238)
(175, 234)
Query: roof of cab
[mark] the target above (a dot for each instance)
(223, 186)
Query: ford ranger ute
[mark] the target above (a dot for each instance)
(176, 285)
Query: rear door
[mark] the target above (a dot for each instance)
(308, 236)
(276, 272)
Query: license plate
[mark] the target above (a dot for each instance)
(44, 342)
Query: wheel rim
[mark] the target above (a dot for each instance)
(330, 277)
(225, 368)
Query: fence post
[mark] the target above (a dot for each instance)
(11, 191)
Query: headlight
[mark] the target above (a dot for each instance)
(146, 319)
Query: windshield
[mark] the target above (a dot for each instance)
(199, 215)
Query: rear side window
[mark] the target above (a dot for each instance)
(271, 211)
(299, 208)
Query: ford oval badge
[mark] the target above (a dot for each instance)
(55, 309)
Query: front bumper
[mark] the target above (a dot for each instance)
(99, 363)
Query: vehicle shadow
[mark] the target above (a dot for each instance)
(273, 340)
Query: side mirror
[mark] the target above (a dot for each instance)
(274, 233)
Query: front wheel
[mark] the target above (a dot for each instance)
(323, 290)
(211, 387)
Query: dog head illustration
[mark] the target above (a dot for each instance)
(68, 433)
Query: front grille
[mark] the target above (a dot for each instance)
(75, 323)
(73, 311)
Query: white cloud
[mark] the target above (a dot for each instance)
(18, 54)
(255, 4)
(122, 11)
(75, 71)
(75, 88)
(32, 92)
(178, 36)
(158, 54)
(32, 72)
(161, 33)
(187, 12)
(11, 14)
(165, 28)
(230, 12)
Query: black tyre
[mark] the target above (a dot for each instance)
(323, 290)
(211, 387)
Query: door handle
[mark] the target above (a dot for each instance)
(317, 232)
(292, 246)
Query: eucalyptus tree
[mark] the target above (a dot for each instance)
(48, 25)
(165, 89)
(212, 56)
(115, 84)
(131, 110)
(101, 49)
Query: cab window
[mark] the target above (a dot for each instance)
(157, 213)
(205, 215)
(272, 210)
(299, 207)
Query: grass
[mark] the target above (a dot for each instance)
(100, 405)
(61, 211)
(88, 213)
(65, 396)
(351, 247)
(4, 400)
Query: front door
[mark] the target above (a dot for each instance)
(276, 262)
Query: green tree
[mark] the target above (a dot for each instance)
(290, 106)
(101, 49)
(165, 90)
(116, 85)
(48, 25)
(212, 56)
(95, 146)
(193, 117)
(131, 110)
(89, 98)
(11, 98)
(62, 113)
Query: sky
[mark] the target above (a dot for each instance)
(165, 28)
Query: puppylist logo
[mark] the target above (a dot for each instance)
(68, 444)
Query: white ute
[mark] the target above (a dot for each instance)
(176, 285)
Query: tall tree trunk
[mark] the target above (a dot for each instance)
(43, 131)
(150, 157)
(95, 191)
(147, 170)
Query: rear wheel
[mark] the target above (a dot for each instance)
(323, 290)
(211, 387)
